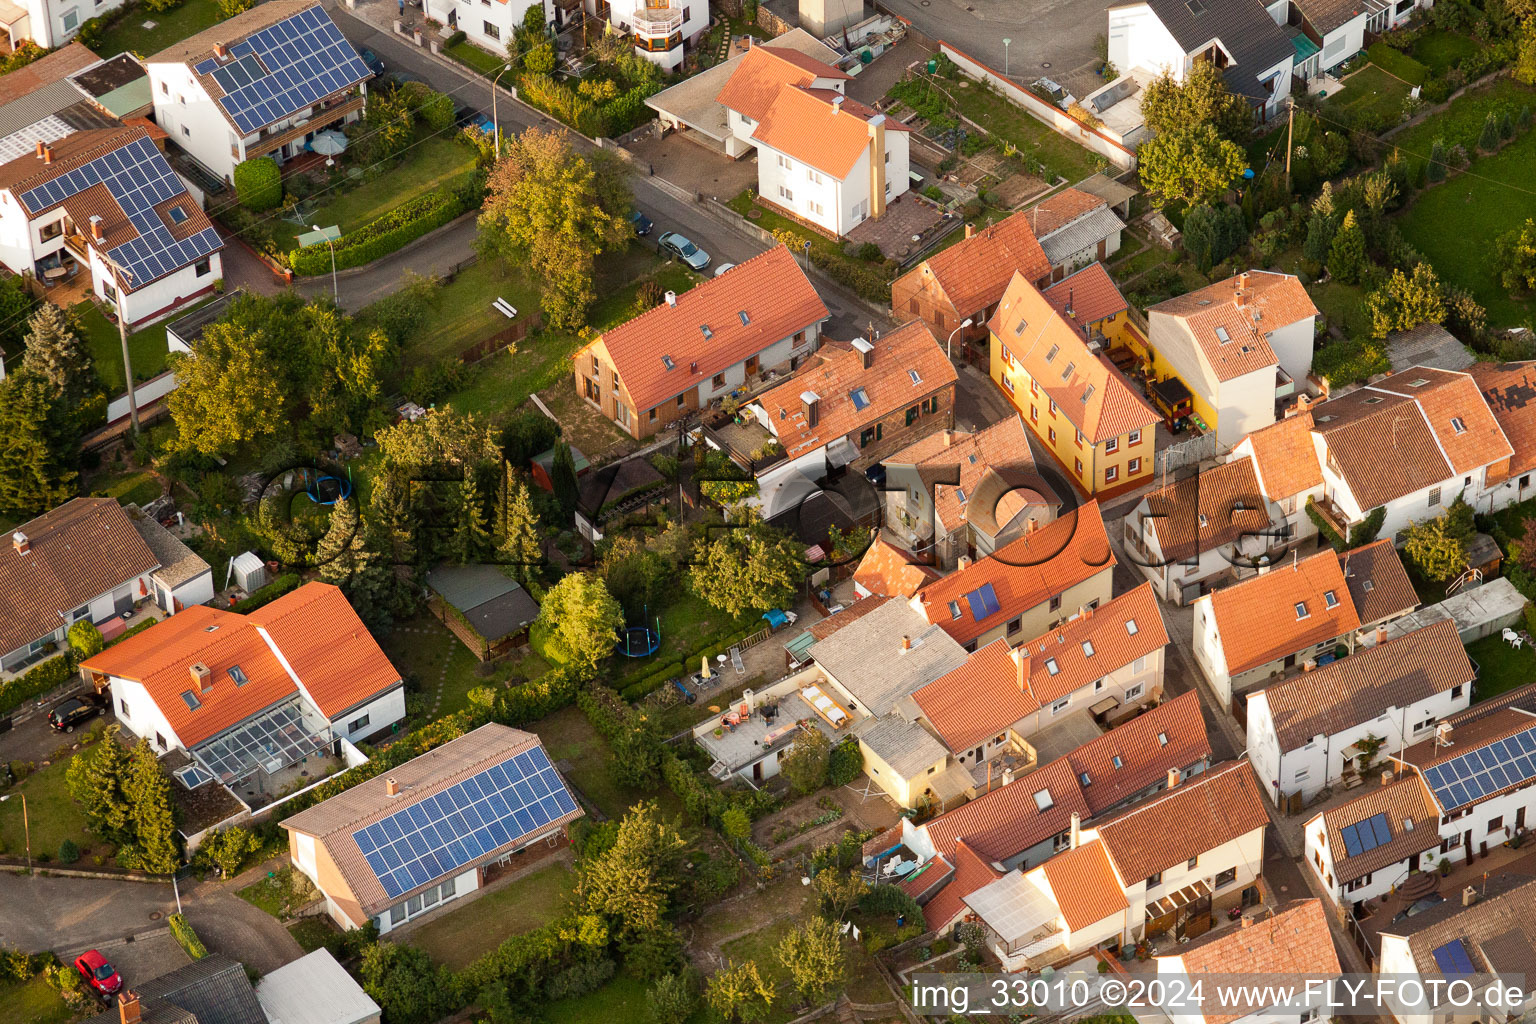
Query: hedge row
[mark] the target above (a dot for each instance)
(634, 689)
(389, 233)
(130, 631)
(269, 593)
(182, 932)
(51, 673)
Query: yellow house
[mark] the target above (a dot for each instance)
(1048, 356)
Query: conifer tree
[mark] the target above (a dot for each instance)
(58, 356)
(154, 822)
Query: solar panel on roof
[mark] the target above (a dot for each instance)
(441, 833)
(983, 602)
(1452, 958)
(1364, 836)
(1477, 773)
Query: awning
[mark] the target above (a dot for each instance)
(1106, 705)
(799, 645)
(1178, 900)
(10, 13)
(951, 783)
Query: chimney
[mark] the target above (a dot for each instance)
(837, 104)
(949, 437)
(128, 1006)
(391, 787)
(1387, 775)
(906, 643)
(1076, 838)
(1245, 921)
(1241, 298)
(1021, 667)
(970, 229)
(810, 403)
(1242, 279)
(876, 127)
(220, 50)
(202, 677)
(1303, 402)
(1381, 633)
(96, 233)
(20, 542)
(866, 352)
(1030, 526)
(962, 563)
(1443, 734)
(1469, 896)
(47, 153)
(671, 298)
(41, 145)
(693, 367)
(1173, 778)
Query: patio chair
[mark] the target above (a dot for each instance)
(1511, 637)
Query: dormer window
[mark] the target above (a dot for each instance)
(1051, 355)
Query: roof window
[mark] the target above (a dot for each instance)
(209, 629)
(1088, 648)
(1368, 586)
(1374, 400)
(1085, 779)
(1117, 761)
(916, 377)
(1018, 328)
(954, 609)
(1043, 800)
(1418, 382)
(1330, 599)
(1196, 7)
(1162, 739)
(972, 458)
(960, 495)
(191, 698)
(745, 320)
(860, 398)
(1088, 394)
(238, 675)
(667, 362)
(1204, 520)
(1301, 610)
(1458, 424)
(178, 214)
(1068, 371)
(1049, 356)
(1051, 666)
(707, 332)
(1131, 627)
(1222, 335)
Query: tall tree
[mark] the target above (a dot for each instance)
(518, 526)
(342, 552)
(1201, 99)
(749, 569)
(1319, 238)
(350, 365)
(154, 821)
(1405, 302)
(562, 474)
(558, 211)
(230, 392)
(1192, 164)
(805, 763)
(94, 779)
(58, 356)
(813, 955)
(1437, 547)
(1346, 256)
(632, 881)
(16, 306)
(1514, 256)
(737, 992)
(471, 537)
(34, 474)
(581, 620)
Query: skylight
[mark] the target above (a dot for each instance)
(667, 362)
(1088, 394)
(1117, 761)
(209, 629)
(1019, 327)
(1162, 739)
(1222, 335)
(860, 398)
(972, 458)
(960, 495)
(707, 332)
(1043, 800)
(1458, 425)
(1088, 648)
(1418, 382)
(1085, 779)
(1051, 355)
(1301, 610)
(1368, 586)
(954, 609)
(1374, 400)
(1204, 520)
(238, 675)
(1051, 666)
(1131, 627)
(178, 215)
(744, 318)
(191, 698)
(1068, 371)
(1330, 599)
(916, 377)
(1196, 7)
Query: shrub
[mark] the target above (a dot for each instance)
(258, 184)
(935, 193)
(845, 763)
(51, 673)
(384, 235)
(229, 8)
(85, 639)
(186, 937)
(1350, 362)
(161, 6)
(68, 852)
(436, 111)
(269, 593)
(132, 631)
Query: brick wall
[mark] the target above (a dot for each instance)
(895, 434)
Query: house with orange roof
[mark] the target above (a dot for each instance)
(1293, 939)
(1239, 346)
(1286, 465)
(822, 158)
(672, 361)
(247, 696)
(1510, 391)
(887, 571)
(1393, 831)
(1026, 587)
(849, 406)
(959, 494)
(1203, 528)
(1075, 228)
(1056, 373)
(1337, 723)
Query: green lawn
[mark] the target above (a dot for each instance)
(1440, 51)
(424, 656)
(1454, 225)
(472, 56)
(1032, 137)
(862, 981)
(146, 347)
(461, 312)
(1462, 122)
(33, 1003)
(53, 816)
(1500, 666)
(1342, 304)
(1397, 63)
(429, 163)
(622, 999)
(1371, 89)
(568, 735)
(312, 932)
(133, 487)
(280, 894)
(129, 34)
(460, 935)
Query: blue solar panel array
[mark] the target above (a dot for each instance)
(1484, 771)
(138, 178)
(305, 58)
(1453, 959)
(1366, 835)
(442, 833)
(205, 66)
(983, 602)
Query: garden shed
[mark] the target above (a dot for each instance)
(483, 607)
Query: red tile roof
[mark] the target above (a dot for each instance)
(1244, 307)
(1086, 387)
(1059, 662)
(1510, 391)
(763, 72)
(886, 570)
(1002, 448)
(822, 128)
(1256, 620)
(972, 871)
(974, 272)
(1207, 510)
(1465, 426)
(909, 365)
(1285, 457)
(978, 700)
(1378, 583)
(48, 69)
(770, 289)
(318, 635)
(1087, 296)
(1023, 574)
(1294, 940)
(1085, 885)
(1137, 755)
(837, 620)
(1213, 808)
(1009, 820)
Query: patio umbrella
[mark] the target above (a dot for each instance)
(329, 143)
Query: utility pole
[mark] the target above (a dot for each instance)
(1290, 129)
(122, 333)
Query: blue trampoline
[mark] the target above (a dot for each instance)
(639, 641)
(326, 489)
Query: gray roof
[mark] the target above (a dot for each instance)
(190, 327)
(1082, 233)
(178, 563)
(1428, 345)
(1245, 29)
(1106, 188)
(503, 616)
(906, 746)
(494, 605)
(33, 107)
(314, 989)
(866, 658)
(213, 990)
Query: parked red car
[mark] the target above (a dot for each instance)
(98, 974)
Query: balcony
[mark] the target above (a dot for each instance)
(655, 24)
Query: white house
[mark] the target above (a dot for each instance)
(88, 560)
(1485, 930)
(662, 29)
(1239, 345)
(253, 693)
(1331, 33)
(403, 844)
(1480, 807)
(1293, 939)
(1368, 846)
(822, 157)
(1342, 719)
(48, 23)
(492, 25)
(1285, 463)
(262, 83)
(144, 240)
(1239, 36)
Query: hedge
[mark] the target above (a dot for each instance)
(269, 593)
(186, 937)
(389, 233)
(258, 183)
(51, 673)
(131, 631)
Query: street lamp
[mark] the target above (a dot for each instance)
(26, 824)
(963, 325)
(495, 120)
(1006, 41)
(331, 234)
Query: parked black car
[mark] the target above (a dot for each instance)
(373, 62)
(77, 709)
(641, 222)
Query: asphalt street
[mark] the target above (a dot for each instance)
(849, 318)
